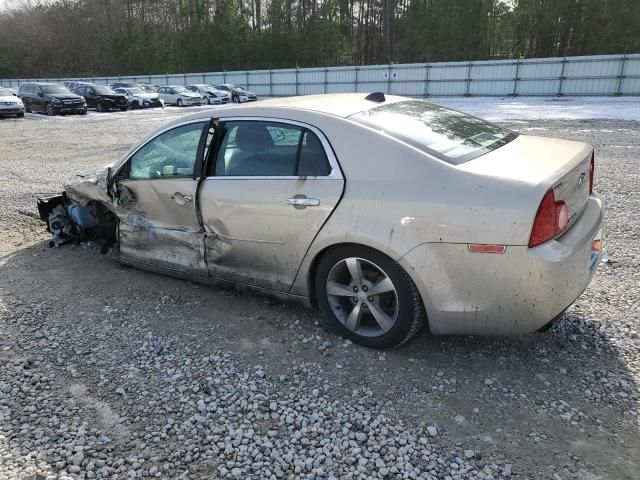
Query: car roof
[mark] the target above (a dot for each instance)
(338, 104)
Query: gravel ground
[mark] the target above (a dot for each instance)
(110, 372)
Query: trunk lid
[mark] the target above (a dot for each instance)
(542, 163)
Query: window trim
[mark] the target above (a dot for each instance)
(334, 174)
(122, 171)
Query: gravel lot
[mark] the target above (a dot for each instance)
(110, 372)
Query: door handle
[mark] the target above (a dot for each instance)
(302, 201)
(181, 199)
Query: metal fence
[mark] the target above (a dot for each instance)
(597, 75)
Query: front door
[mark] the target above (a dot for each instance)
(270, 187)
(156, 201)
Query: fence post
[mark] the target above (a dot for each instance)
(224, 75)
(515, 79)
(270, 82)
(621, 74)
(246, 75)
(467, 92)
(426, 79)
(296, 80)
(326, 70)
(356, 82)
(389, 80)
(564, 62)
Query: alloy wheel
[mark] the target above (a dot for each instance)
(362, 297)
(49, 109)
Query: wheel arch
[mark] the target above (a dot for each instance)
(317, 257)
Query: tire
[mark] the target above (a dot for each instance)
(124, 109)
(83, 112)
(20, 115)
(208, 100)
(135, 104)
(49, 110)
(399, 313)
(99, 107)
(235, 99)
(179, 102)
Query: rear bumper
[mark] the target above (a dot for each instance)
(506, 294)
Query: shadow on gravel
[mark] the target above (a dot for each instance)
(562, 402)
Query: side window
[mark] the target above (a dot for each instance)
(171, 154)
(313, 160)
(254, 148)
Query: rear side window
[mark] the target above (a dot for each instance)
(447, 134)
(270, 149)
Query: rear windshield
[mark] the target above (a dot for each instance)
(447, 134)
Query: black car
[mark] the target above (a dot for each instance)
(102, 98)
(51, 98)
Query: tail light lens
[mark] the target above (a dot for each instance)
(592, 171)
(551, 219)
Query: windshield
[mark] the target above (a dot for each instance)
(54, 89)
(103, 90)
(5, 93)
(447, 134)
(181, 90)
(135, 91)
(238, 88)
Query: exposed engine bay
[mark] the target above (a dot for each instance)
(71, 223)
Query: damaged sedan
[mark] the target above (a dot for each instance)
(384, 212)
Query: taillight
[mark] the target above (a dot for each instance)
(551, 219)
(592, 171)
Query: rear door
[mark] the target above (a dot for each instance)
(270, 186)
(156, 201)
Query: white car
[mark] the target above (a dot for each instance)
(138, 98)
(212, 95)
(179, 95)
(10, 104)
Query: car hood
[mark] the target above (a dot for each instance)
(146, 96)
(10, 98)
(115, 96)
(63, 96)
(190, 94)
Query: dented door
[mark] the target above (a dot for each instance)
(273, 185)
(156, 202)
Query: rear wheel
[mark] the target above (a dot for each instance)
(367, 297)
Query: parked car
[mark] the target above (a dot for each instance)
(238, 94)
(12, 91)
(138, 98)
(10, 104)
(126, 85)
(73, 84)
(211, 95)
(179, 95)
(385, 212)
(103, 98)
(149, 88)
(51, 98)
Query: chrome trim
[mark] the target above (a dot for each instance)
(335, 174)
(240, 239)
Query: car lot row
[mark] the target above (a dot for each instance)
(77, 97)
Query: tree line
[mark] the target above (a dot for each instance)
(51, 38)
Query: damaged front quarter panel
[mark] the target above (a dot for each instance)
(94, 185)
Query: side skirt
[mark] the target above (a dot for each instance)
(215, 282)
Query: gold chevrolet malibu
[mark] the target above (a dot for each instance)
(386, 213)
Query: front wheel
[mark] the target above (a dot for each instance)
(180, 104)
(49, 109)
(20, 115)
(236, 99)
(367, 297)
(99, 107)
